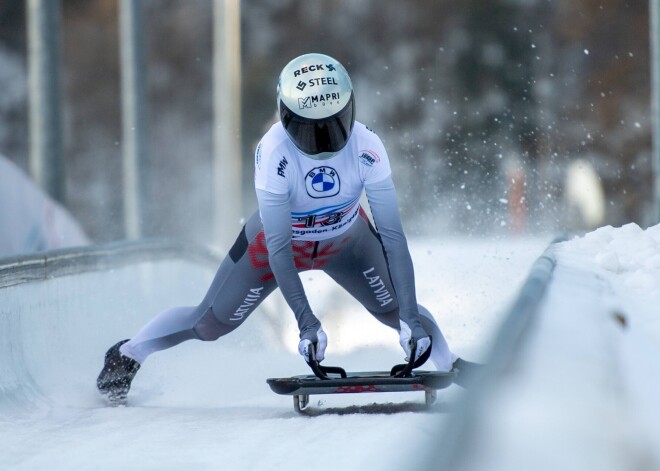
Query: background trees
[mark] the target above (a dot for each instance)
(482, 105)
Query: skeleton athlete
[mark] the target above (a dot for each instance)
(310, 171)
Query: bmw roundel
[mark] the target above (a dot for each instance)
(322, 182)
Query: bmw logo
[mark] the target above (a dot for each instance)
(322, 182)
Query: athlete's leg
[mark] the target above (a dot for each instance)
(361, 268)
(243, 280)
(168, 328)
(441, 356)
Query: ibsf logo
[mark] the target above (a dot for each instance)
(369, 158)
(322, 182)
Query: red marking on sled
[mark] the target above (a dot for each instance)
(357, 389)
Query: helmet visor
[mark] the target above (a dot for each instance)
(315, 136)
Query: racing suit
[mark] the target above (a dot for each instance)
(309, 218)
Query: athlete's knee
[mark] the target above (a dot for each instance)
(209, 328)
(425, 314)
(429, 324)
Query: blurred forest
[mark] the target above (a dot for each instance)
(485, 107)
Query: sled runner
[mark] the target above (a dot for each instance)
(335, 380)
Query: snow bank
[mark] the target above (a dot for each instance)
(628, 258)
(582, 393)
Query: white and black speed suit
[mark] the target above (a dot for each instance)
(309, 218)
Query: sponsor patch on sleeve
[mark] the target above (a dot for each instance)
(369, 158)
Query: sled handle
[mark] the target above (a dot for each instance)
(321, 371)
(405, 370)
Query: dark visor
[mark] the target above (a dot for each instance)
(314, 136)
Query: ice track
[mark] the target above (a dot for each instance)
(207, 405)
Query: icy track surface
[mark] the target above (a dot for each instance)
(207, 405)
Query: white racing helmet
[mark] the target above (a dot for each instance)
(316, 105)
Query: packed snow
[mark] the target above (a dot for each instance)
(584, 393)
(581, 398)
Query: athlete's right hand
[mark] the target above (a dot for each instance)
(321, 341)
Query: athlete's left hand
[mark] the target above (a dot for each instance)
(321, 342)
(423, 345)
(422, 352)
